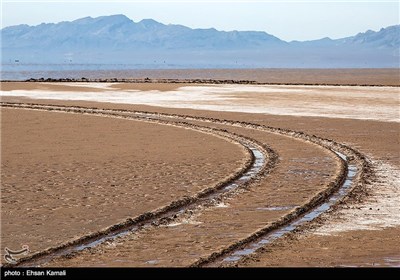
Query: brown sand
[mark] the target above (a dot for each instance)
(367, 247)
(304, 170)
(66, 175)
(354, 248)
(43, 86)
(84, 87)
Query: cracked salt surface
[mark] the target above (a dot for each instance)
(380, 210)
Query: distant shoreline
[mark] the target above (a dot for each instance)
(260, 76)
(184, 81)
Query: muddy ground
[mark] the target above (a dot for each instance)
(370, 226)
(67, 175)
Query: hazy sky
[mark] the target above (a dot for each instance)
(288, 20)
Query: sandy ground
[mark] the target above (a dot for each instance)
(304, 170)
(66, 175)
(369, 227)
(360, 248)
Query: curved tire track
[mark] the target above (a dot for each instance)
(363, 165)
(206, 197)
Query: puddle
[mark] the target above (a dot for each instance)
(108, 238)
(276, 208)
(272, 236)
(174, 224)
(184, 222)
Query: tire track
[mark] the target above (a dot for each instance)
(351, 155)
(256, 164)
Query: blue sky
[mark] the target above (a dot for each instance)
(288, 20)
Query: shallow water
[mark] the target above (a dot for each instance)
(272, 236)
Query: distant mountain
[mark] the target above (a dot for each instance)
(388, 37)
(150, 44)
(119, 32)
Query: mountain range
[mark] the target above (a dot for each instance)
(117, 39)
